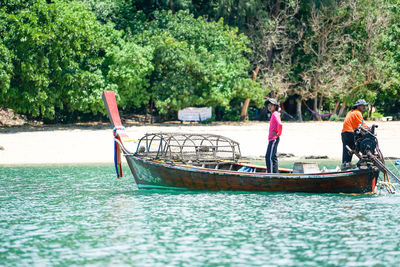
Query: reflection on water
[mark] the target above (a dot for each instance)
(73, 215)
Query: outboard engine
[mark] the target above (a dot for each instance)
(365, 140)
(367, 150)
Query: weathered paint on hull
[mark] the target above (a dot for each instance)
(150, 174)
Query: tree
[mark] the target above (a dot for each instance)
(341, 55)
(367, 62)
(271, 27)
(388, 97)
(129, 70)
(274, 37)
(325, 46)
(6, 67)
(58, 52)
(196, 63)
(126, 15)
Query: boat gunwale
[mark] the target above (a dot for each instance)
(258, 174)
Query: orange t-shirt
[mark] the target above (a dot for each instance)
(352, 120)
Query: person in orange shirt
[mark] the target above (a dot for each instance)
(353, 119)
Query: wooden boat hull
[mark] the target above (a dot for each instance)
(151, 174)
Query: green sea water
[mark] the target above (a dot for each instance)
(82, 215)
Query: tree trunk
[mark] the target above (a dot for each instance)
(244, 115)
(369, 112)
(298, 110)
(171, 5)
(321, 102)
(334, 110)
(342, 108)
(149, 115)
(315, 107)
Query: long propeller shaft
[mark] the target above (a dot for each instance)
(381, 166)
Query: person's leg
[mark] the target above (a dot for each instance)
(274, 157)
(268, 156)
(344, 153)
(347, 139)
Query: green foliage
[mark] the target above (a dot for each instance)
(388, 98)
(11, 6)
(6, 70)
(129, 70)
(58, 55)
(196, 63)
(334, 117)
(377, 115)
(368, 93)
(232, 114)
(123, 13)
(57, 58)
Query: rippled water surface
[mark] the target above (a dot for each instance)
(75, 215)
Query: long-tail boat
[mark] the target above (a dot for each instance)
(187, 161)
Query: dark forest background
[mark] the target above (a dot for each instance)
(159, 56)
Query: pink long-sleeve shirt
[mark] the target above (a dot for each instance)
(275, 124)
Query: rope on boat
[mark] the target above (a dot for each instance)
(386, 184)
(118, 148)
(122, 147)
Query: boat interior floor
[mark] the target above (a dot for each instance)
(232, 166)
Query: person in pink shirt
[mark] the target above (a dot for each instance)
(275, 131)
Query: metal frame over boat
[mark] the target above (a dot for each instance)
(202, 163)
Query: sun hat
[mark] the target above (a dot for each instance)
(272, 101)
(360, 102)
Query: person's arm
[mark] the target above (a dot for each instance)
(360, 120)
(279, 128)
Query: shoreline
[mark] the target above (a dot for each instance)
(93, 144)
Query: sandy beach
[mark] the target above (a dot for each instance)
(94, 144)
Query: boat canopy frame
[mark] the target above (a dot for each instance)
(188, 148)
